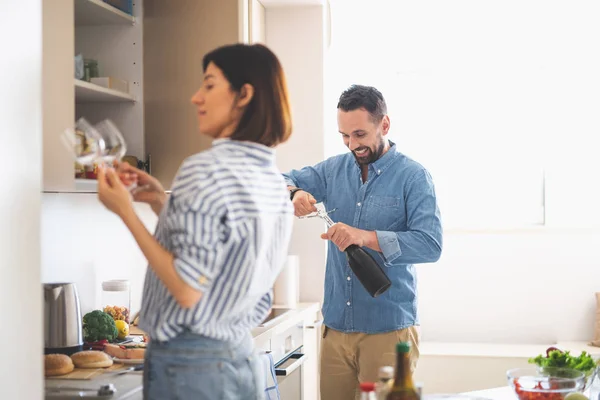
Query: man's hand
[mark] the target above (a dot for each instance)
(343, 235)
(304, 203)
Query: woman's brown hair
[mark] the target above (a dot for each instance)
(267, 118)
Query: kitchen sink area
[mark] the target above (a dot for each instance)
(274, 316)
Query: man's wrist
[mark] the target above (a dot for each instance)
(293, 192)
(370, 239)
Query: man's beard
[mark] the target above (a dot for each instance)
(371, 155)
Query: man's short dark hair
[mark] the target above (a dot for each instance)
(367, 97)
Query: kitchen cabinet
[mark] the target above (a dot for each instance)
(177, 36)
(158, 50)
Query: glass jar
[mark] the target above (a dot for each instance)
(116, 299)
(90, 69)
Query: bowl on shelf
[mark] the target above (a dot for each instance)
(545, 383)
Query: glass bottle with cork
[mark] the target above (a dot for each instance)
(403, 388)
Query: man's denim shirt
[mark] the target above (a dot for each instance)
(398, 202)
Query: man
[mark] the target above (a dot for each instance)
(386, 203)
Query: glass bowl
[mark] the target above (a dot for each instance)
(545, 383)
(587, 376)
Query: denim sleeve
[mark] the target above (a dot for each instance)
(422, 241)
(310, 179)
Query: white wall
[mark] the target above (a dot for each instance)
(510, 288)
(84, 243)
(21, 135)
(302, 58)
(529, 286)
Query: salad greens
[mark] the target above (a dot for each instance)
(563, 359)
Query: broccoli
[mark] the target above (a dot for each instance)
(98, 325)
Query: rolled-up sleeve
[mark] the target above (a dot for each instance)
(311, 179)
(195, 234)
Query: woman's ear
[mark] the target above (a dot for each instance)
(246, 94)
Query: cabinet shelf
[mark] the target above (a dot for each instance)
(97, 12)
(86, 92)
(86, 185)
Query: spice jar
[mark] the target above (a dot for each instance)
(116, 299)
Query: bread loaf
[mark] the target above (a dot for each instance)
(57, 364)
(91, 359)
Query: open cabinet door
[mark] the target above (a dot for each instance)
(177, 34)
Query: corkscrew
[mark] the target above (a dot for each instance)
(367, 270)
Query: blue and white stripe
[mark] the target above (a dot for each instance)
(228, 223)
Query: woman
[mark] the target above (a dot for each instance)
(222, 234)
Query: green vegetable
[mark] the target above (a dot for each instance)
(559, 359)
(98, 325)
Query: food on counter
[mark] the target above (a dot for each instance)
(548, 391)
(97, 345)
(98, 325)
(57, 364)
(91, 359)
(547, 383)
(119, 313)
(122, 328)
(563, 359)
(576, 396)
(127, 351)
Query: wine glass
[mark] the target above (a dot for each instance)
(114, 143)
(115, 147)
(84, 142)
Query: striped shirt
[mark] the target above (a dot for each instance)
(228, 223)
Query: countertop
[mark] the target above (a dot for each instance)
(500, 393)
(129, 385)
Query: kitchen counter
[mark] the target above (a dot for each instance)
(499, 393)
(296, 315)
(129, 385)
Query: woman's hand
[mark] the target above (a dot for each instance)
(113, 193)
(148, 190)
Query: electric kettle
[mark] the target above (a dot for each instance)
(62, 319)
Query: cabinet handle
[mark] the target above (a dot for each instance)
(299, 357)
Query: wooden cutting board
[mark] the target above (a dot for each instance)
(89, 373)
(134, 330)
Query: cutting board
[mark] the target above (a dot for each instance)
(89, 373)
(134, 330)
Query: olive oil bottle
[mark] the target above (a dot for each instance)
(403, 388)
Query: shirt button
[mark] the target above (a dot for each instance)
(358, 204)
(378, 171)
(348, 303)
(348, 278)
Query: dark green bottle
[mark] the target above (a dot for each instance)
(403, 388)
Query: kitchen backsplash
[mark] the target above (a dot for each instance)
(84, 243)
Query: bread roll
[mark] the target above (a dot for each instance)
(57, 364)
(91, 359)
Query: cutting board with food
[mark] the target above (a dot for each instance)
(87, 364)
(108, 349)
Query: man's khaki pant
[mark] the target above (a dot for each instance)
(350, 358)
